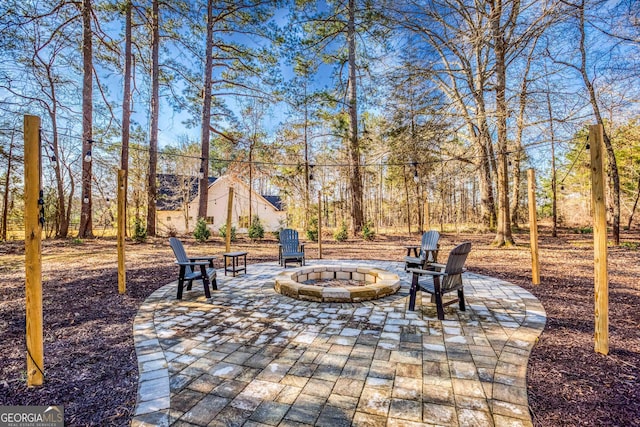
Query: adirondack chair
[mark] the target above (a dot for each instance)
(428, 252)
(200, 268)
(290, 250)
(446, 278)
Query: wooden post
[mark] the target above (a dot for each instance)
(33, 251)
(533, 228)
(427, 223)
(229, 213)
(598, 198)
(122, 217)
(319, 225)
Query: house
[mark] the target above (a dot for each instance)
(177, 205)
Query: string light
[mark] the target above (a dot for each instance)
(201, 173)
(265, 163)
(87, 156)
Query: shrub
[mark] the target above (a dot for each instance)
(367, 231)
(139, 231)
(583, 230)
(256, 231)
(312, 231)
(341, 234)
(223, 232)
(201, 232)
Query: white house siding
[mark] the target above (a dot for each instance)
(271, 218)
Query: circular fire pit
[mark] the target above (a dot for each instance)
(337, 283)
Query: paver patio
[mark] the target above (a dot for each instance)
(250, 356)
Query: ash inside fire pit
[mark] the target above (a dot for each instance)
(334, 283)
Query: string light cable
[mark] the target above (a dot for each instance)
(411, 163)
(582, 147)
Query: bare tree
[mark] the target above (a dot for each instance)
(499, 25)
(611, 155)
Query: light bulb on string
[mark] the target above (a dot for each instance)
(87, 157)
(86, 199)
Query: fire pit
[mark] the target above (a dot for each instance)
(337, 283)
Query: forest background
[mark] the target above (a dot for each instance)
(399, 114)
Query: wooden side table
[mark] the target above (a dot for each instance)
(415, 248)
(235, 266)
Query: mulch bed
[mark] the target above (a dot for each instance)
(91, 367)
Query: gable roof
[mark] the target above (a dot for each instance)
(275, 201)
(174, 189)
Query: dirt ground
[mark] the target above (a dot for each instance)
(91, 367)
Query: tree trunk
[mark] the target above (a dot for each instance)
(7, 181)
(554, 183)
(406, 196)
(503, 234)
(86, 220)
(206, 115)
(357, 215)
(62, 218)
(635, 205)
(126, 102)
(483, 139)
(307, 206)
(487, 202)
(519, 149)
(155, 112)
(611, 155)
(251, 182)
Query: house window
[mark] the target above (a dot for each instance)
(243, 221)
(209, 220)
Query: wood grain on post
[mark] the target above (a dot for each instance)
(33, 252)
(229, 213)
(533, 228)
(598, 201)
(319, 225)
(122, 216)
(427, 224)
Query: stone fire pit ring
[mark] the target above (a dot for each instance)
(378, 283)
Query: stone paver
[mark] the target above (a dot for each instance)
(251, 356)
